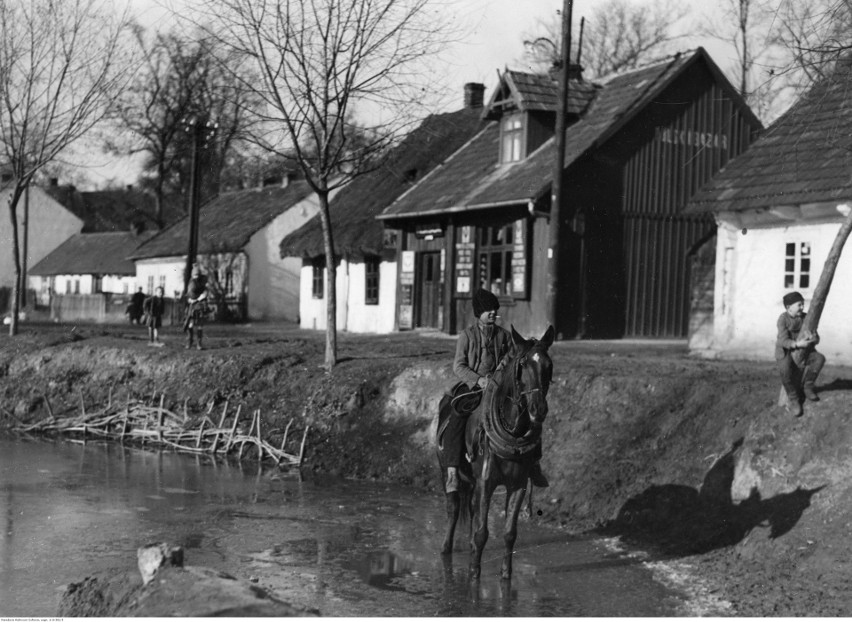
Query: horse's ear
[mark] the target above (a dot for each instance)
(547, 339)
(516, 337)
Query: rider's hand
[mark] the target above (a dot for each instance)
(482, 382)
(804, 343)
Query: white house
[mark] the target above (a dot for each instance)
(238, 249)
(367, 253)
(88, 263)
(779, 207)
(49, 225)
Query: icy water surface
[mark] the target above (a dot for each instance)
(68, 510)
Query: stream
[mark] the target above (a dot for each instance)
(345, 548)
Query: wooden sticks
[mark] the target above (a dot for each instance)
(153, 424)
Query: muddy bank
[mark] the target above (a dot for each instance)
(685, 456)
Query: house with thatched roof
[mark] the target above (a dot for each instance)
(238, 237)
(89, 263)
(779, 207)
(88, 277)
(367, 255)
(638, 145)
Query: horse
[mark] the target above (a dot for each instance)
(500, 436)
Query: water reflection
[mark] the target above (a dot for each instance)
(347, 548)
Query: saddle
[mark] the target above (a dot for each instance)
(460, 401)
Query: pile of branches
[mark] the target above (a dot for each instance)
(150, 423)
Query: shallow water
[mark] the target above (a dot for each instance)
(68, 510)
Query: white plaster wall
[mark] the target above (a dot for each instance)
(273, 282)
(170, 267)
(50, 225)
(364, 318)
(747, 304)
(353, 315)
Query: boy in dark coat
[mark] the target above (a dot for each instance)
(789, 340)
(153, 308)
(196, 308)
(479, 349)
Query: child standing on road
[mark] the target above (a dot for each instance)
(789, 340)
(153, 308)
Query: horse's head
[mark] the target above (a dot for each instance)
(533, 371)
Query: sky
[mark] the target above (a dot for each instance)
(491, 39)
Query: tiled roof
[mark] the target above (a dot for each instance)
(114, 210)
(473, 177)
(226, 223)
(353, 209)
(541, 92)
(92, 253)
(804, 157)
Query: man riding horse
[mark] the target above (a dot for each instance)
(479, 351)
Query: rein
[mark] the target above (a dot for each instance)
(503, 442)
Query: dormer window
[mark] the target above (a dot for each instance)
(511, 138)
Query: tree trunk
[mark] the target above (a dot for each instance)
(331, 287)
(809, 326)
(15, 301)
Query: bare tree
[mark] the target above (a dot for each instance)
(180, 76)
(338, 83)
(813, 35)
(618, 35)
(61, 64)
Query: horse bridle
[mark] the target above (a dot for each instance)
(502, 441)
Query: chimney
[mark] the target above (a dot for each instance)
(474, 94)
(54, 181)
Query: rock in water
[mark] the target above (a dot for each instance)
(152, 557)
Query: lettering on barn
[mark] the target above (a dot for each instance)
(691, 138)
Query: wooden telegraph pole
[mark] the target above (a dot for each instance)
(558, 193)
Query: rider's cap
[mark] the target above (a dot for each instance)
(483, 301)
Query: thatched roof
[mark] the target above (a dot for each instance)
(92, 253)
(226, 223)
(354, 208)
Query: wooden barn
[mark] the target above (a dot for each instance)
(638, 147)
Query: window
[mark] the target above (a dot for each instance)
(797, 265)
(68, 286)
(161, 281)
(76, 286)
(318, 286)
(229, 281)
(371, 271)
(511, 138)
(151, 285)
(495, 259)
(97, 284)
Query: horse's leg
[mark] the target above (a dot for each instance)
(482, 500)
(510, 529)
(453, 506)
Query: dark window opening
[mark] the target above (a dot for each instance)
(371, 269)
(318, 286)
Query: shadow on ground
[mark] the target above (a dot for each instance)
(679, 520)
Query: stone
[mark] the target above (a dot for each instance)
(152, 557)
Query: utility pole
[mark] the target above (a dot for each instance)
(202, 130)
(23, 287)
(558, 192)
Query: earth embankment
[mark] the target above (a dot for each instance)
(690, 458)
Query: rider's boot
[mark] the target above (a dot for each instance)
(200, 335)
(537, 477)
(452, 484)
(809, 380)
(188, 339)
